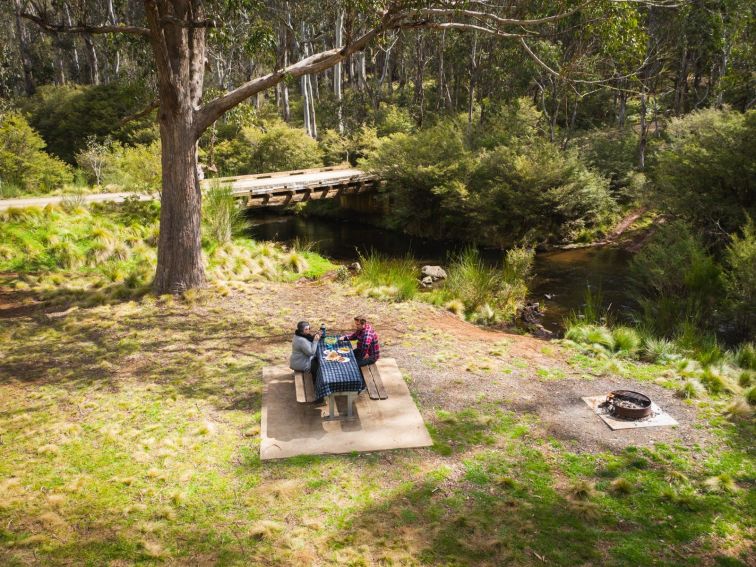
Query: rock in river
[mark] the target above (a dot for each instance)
(435, 272)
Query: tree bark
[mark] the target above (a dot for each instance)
(179, 263)
(180, 62)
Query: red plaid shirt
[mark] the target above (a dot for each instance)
(367, 342)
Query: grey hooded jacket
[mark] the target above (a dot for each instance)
(302, 353)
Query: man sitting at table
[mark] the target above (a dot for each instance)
(368, 349)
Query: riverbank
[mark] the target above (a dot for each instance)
(561, 277)
(131, 433)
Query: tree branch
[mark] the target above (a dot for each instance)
(315, 63)
(61, 28)
(137, 115)
(497, 19)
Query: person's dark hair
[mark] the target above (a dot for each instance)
(360, 319)
(301, 326)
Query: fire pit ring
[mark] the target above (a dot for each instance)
(627, 404)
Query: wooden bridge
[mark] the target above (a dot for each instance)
(262, 190)
(288, 187)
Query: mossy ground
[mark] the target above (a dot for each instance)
(130, 434)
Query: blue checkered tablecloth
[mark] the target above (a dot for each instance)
(337, 376)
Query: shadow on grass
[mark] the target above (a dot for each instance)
(187, 349)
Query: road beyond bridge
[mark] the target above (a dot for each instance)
(261, 190)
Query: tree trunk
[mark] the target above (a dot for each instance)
(337, 73)
(75, 50)
(473, 74)
(643, 138)
(180, 64)
(23, 47)
(179, 263)
(94, 68)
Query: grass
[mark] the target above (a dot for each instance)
(130, 435)
(393, 279)
(69, 253)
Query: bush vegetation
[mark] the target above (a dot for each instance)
(474, 290)
(498, 185)
(24, 165)
(704, 172)
(68, 116)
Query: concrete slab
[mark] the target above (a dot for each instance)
(290, 428)
(658, 417)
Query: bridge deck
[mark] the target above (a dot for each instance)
(265, 189)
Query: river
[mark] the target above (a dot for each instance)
(561, 276)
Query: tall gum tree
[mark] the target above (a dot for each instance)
(177, 33)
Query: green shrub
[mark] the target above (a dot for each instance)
(267, 145)
(24, 165)
(391, 119)
(676, 283)
(704, 172)
(134, 168)
(740, 279)
(67, 116)
(334, 146)
(514, 187)
(612, 152)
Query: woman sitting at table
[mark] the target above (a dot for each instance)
(303, 349)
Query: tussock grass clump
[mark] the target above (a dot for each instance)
(621, 486)
(659, 350)
(295, 261)
(456, 306)
(740, 408)
(721, 483)
(266, 529)
(490, 293)
(386, 278)
(582, 490)
(691, 389)
(746, 378)
(750, 396)
(715, 382)
(222, 215)
(627, 341)
(745, 356)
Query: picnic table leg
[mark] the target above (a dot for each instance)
(330, 406)
(350, 401)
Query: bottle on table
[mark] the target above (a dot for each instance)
(322, 331)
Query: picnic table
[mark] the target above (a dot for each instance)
(337, 378)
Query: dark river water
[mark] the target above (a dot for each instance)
(563, 275)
